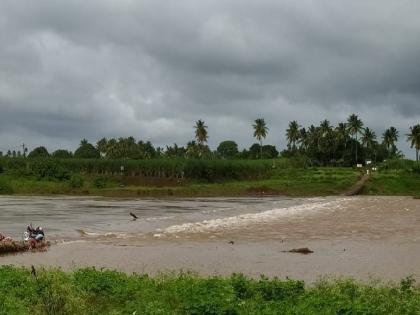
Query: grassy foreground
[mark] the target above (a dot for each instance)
(89, 291)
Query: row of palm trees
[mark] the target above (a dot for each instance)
(325, 141)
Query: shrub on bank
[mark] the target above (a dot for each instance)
(5, 187)
(89, 291)
(76, 181)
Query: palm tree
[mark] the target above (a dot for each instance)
(390, 136)
(293, 134)
(200, 134)
(324, 140)
(304, 139)
(354, 127)
(414, 138)
(342, 135)
(368, 138)
(260, 131)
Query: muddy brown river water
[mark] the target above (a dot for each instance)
(361, 237)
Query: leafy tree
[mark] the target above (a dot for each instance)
(293, 134)
(266, 151)
(62, 154)
(147, 150)
(102, 146)
(260, 131)
(227, 149)
(39, 152)
(414, 138)
(86, 151)
(269, 151)
(354, 127)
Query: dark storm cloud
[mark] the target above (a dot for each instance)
(73, 69)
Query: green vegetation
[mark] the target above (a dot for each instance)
(89, 291)
(395, 177)
(394, 182)
(172, 177)
(311, 165)
(191, 178)
(323, 145)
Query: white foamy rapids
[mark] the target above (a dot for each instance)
(252, 218)
(107, 234)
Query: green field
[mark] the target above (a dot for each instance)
(88, 291)
(291, 182)
(393, 183)
(194, 178)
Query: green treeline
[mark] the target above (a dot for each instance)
(345, 144)
(89, 291)
(208, 170)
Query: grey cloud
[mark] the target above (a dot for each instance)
(150, 68)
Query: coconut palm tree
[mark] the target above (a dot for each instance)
(341, 133)
(368, 138)
(260, 131)
(354, 127)
(201, 135)
(303, 139)
(341, 136)
(292, 134)
(414, 138)
(390, 136)
(200, 132)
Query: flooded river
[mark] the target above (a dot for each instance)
(361, 237)
(70, 217)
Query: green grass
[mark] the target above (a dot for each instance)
(290, 182)
(394, 182)
(286, 181)
(282, 181)
(89, 291)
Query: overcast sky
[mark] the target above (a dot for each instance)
(109, 68)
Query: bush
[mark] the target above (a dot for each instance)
(5, 187)
(76, 181)
(49, 169)
(90, 291)
(39, 152)
(99, 182)
(416, 168)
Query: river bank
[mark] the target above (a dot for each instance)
(288, 182)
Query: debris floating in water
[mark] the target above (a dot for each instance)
(303, 250)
